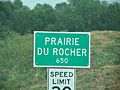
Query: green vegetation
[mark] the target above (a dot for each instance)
(17, 23)
(17, 71)
(76, 15)
(16, 66)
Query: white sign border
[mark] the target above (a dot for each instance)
(49, 66)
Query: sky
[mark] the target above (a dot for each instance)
(32, 3)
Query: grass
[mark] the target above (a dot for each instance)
(17, 71)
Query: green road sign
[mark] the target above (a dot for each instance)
(62, 49)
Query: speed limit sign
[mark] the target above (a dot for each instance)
(61, 79)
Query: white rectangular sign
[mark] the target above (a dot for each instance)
(61, 79)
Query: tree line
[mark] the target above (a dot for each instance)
(76, 15)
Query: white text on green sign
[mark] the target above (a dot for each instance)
(64, 49)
